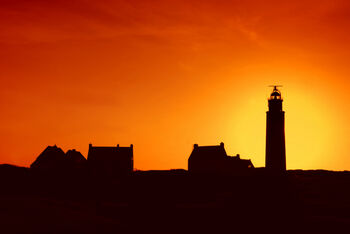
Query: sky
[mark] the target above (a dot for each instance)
(164, 74)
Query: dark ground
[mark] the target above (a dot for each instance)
(174, 202)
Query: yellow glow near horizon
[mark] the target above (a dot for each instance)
(309, 128)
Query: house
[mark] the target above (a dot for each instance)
(110, 161)
(214, 159)
(52, 158)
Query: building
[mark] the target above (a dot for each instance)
(275, 138)
(110, 161)
(51, 159)
(214, 159)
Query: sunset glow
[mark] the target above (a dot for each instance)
(163, 75)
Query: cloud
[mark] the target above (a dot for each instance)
(52, 21)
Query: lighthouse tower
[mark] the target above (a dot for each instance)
(275, 138)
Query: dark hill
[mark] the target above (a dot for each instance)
(10, 172)
(175, 202)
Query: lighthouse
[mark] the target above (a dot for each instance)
(275, 137)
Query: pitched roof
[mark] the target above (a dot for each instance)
(51, 157)
(242, 162)
(75, 156)
(207, 152)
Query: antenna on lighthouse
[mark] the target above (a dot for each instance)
(275, 86)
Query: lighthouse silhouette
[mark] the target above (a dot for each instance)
(275, 138)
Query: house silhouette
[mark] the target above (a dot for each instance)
(52, 158)
(110, 161)
(214, 159)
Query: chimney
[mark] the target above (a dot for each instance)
(195, 146)
(90, 145)
(222, 144)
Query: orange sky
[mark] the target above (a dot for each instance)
(164, 75)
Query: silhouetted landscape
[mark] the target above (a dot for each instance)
(174, 201)
(64, 192)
